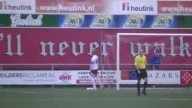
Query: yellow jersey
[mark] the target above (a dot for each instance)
(140, 61)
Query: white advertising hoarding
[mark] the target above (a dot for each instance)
(28, 77)
(17, 6)
(82, 77)
(147, 7)
(85, 7)
(158, 77)
(107, 77)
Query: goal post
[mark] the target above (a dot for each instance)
(165, 43)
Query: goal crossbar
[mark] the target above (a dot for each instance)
(143, 34)
(153, 34)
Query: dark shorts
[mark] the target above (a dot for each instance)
(94, 72)
(142, 75)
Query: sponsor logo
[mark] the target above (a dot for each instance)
(124, 75)
(69, 8)
(186, 77)
(65, 77)
(163, 75)
(102, 21)
(162, 21)
(27, 75)
(129, 7)
(6, 6)
(134, 21)
(73, 21)
(16, 20)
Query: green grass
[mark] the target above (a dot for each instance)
(81, 98)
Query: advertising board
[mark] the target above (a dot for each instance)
(154, 77)
(28, 77)
(146, 7)
(111, 7)
(88, 21)
(177, 7)
(82, 77)
(28, 20)
(73, 6)
(66, 78)
(107, 77)
(97, 7)
(17, 6)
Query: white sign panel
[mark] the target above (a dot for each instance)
(17, 6)
(148, 7)
(67, 77)
(106, 77)
(77, 77)
(158, 77)
(164, 77)
(28, 77)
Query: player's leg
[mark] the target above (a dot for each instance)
(138, 82)
(93, 79)
(95, 72)
(145, 82)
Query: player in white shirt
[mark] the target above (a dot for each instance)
(94, 67)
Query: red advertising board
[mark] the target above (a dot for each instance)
(71, 6)
(186, 77)
(175, 7)
(74, 46)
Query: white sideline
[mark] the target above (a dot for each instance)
(181, 88)
(14, 91)
(60, 91)
(100, 99)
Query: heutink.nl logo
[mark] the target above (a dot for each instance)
(128, 7)
(5, 6)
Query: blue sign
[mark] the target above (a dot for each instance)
(118, 21)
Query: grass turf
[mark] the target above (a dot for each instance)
(81, 98)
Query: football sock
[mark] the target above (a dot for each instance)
(99, 80)
(145, 85)
(138, 87)
(93, 81)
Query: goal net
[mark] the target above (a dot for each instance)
(125, 46)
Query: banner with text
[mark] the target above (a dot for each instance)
(154, 77)
(28, 20)
(28, 77)
(148, 7)
(175, 7)
(17, 6)
(115, 7)
(82, 77)
(74, 46)
(88, 21)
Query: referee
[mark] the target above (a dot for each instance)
(140, 65)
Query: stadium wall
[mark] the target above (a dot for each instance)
(34, 48)
(21, 53)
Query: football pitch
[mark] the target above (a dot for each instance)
(81, 98)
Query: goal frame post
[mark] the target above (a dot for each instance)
(135, 34)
